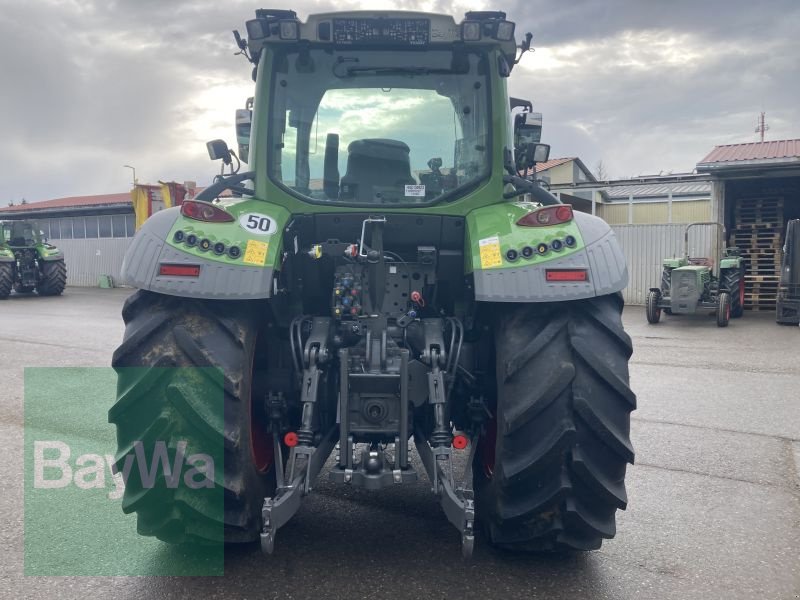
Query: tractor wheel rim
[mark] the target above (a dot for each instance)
(741, 293)
(488, 443)
(261, 450)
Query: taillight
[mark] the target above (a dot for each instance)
(203, 211)
(549, 215)
(179, 270)
(566, 275)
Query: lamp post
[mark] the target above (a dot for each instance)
(134, 173)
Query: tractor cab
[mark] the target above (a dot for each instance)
(21, 234)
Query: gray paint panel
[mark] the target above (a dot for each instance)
(608, 269)
(603, 258)
(217, 281)
(527, 283)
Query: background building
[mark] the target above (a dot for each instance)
(752, 189)
(95, 231)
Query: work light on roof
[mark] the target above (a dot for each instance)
(289, 30)
(505, 31)
(257, 29)
(471, 31)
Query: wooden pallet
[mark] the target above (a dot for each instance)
(762, 201)
(758, 225)
(759, 307)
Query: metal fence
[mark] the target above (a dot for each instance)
(645, 246)
(87, 259)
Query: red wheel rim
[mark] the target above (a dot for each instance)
(488, 442)
(261, 449)
(741, 293)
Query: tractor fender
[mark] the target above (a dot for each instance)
(599, 253)
(50, 254)
(217, 280)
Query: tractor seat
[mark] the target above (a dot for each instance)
(702, 262)
(376, 168)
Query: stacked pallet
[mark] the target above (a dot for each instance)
(759, 224)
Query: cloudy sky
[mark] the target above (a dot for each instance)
(643, 85)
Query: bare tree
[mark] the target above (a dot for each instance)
(600, 171)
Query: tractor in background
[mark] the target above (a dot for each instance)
(28, 262)
(690, 285)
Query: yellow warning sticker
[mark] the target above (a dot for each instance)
(490, 252)
(256, 253)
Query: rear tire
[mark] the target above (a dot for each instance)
(54, 278)
(651, 307)
(549, 472)
(6, 279)
(172, 404)
(723, 309)
(733, 281)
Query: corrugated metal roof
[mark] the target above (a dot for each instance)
(777, 149)
(697, 188)
(553, 162)
(72, 201)
(121, 198)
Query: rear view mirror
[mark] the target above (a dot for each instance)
(218, 150)
(540, 152)
(244, 117)
(535, 153)
(527, 128)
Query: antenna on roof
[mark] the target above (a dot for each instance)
(761, 127)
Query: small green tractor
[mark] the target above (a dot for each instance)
(28, 262)
(382, 272)
(692, 285)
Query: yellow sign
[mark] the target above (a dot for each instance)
(256, 253)
(490, 252)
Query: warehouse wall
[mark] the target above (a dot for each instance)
(89, 258)
(645, 246)
(656, 212)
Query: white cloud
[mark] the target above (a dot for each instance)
(91, 85)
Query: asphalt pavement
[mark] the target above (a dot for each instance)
(714, 496)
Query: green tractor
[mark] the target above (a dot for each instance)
(381, 273)
(691, 285)
(28, 262)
